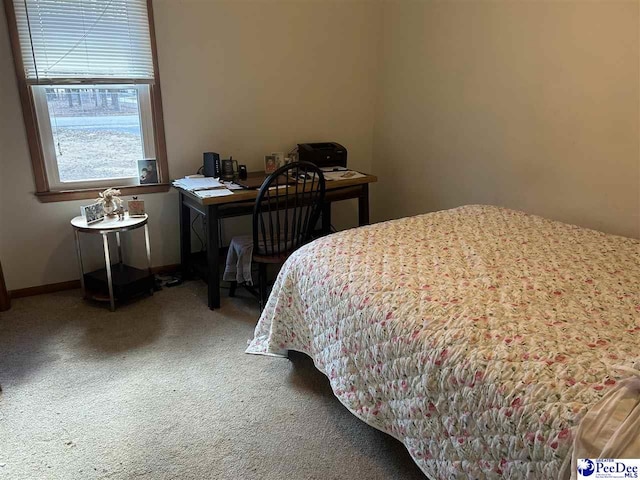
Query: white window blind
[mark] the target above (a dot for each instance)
(92, 41)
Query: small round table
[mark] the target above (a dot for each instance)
(105, 227)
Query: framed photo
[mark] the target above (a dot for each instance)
(147, 171)
(93, 213)
(279, 158)
(136, 207)
(270, 163)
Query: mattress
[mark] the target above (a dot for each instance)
(478, 336)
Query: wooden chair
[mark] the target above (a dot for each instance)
(285, 214)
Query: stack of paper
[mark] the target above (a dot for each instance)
(217, 192)
(199, 183)
(342, 175)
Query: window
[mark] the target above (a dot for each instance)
(94, 134)
(89, 84)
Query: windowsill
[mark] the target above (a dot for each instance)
(85, 193)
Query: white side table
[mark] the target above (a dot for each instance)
(124, 274)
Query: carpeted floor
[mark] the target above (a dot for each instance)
(162, 389)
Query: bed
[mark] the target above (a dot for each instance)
(480, 337)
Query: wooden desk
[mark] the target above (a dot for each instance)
(241, 203)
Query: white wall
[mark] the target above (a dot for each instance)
(239, 78)
(529, 105)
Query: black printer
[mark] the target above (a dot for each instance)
(325, 154)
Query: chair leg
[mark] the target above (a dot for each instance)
(262, 279)
(232, 288)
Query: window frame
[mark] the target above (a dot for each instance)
(47, 189)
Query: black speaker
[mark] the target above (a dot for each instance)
(242, 172)
(211, 165)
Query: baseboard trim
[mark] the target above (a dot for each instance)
(164, 269)
(71, 284)
(48, 288)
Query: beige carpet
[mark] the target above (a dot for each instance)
(162, 389)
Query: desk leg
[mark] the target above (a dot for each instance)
(79, 253)
(326, 218)
(148, 245)
(107, 261)
(213, 257)
(185, 238)
(363, 206)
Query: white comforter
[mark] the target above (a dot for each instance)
(478, 336)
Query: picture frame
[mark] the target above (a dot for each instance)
(147, 172)
(270, 163)
(93, 213)
(279, 158)
(136, 207)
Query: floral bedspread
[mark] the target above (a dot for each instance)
(477, 336)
